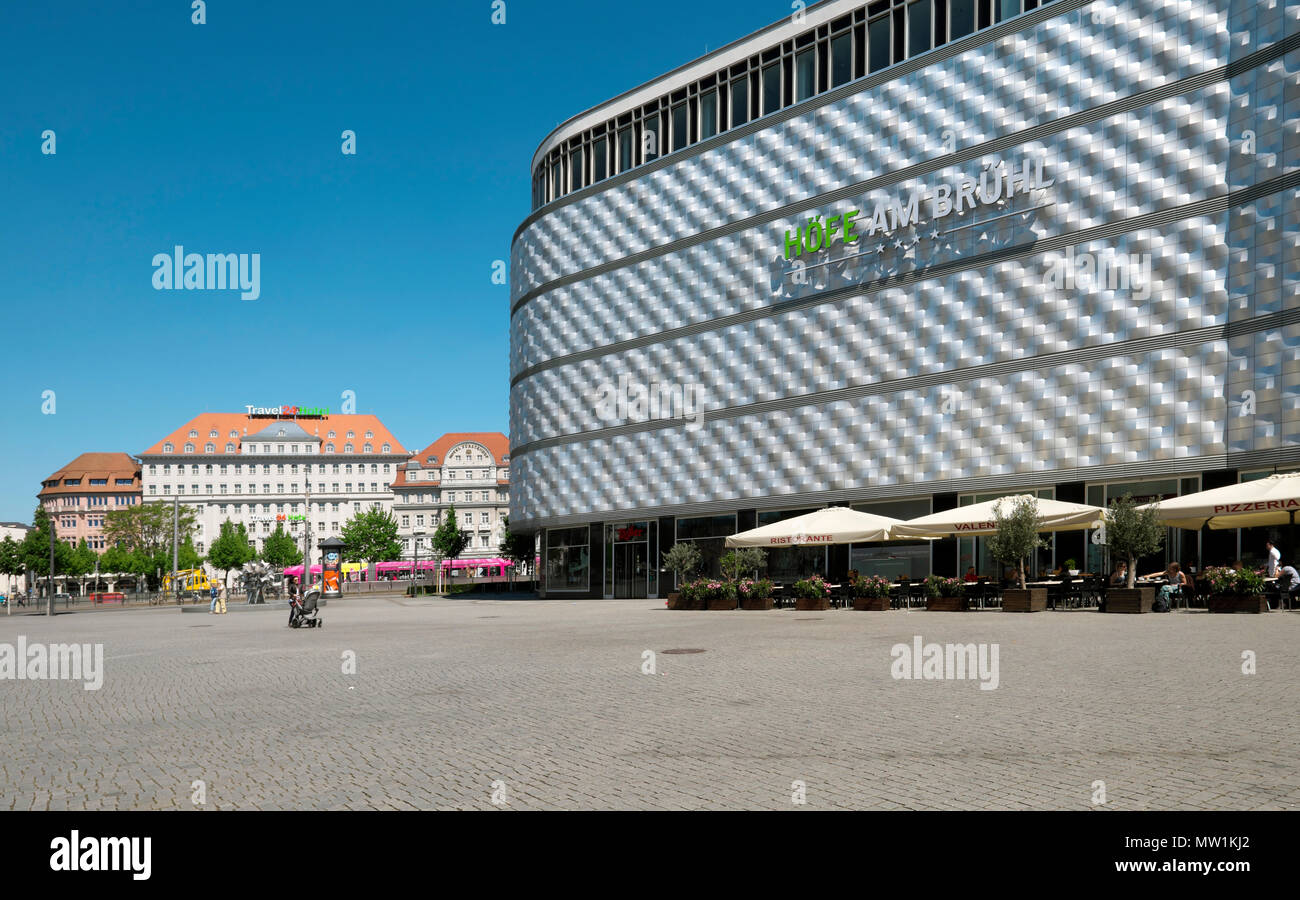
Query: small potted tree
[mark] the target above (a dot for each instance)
(870, 593)
(1235, 592)
(1014, 541)
(683, 560)
(812, 593)
(1132, 533)
(736, 566)
(1072, 568)
(945, 594)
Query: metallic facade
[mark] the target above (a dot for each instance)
(1134, 313)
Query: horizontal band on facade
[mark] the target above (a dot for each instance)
(1074, 356)
(898, 70)
(984, 483)
(1194, 210)
(1038, 132)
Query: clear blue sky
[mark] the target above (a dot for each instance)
(225, 137)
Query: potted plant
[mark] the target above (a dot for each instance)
(870, 593)
(754, 593)
(1014, 541)
(1072, 567)
(683, 560)
(717, 594)
(1132, 533)
(945, 594)
(1235, 592)
(812, 593)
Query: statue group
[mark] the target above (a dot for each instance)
(260, 579)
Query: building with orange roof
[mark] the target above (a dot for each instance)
(287, 465)
(80, 494)
(469, 470)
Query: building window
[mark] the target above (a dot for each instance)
(805, 74)
(681, 127)
(961, 18)
(880, 44)
(919, 29)
(708, 115)
(568, 559)
(771, 88)
(739, 101)
(189, 448)
(626, 148)
(842, 59)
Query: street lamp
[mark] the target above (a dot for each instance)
(415, 573)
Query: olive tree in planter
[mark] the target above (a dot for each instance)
(683, 560)
(1015, 540)
(1235, 592)
(736, 565)
(1132, 533)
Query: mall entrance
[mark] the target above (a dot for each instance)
(629, 570)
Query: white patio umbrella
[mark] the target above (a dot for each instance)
(1274, 500)
(981, 518)
(832, 525)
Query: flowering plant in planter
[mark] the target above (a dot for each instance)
(814, 587)
(938, 586)
(871, 586)
(712, 592)
(1245, 583)
(688, 596)
(751, 589)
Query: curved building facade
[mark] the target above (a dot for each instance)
(906, 256)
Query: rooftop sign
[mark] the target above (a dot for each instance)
(295, 412)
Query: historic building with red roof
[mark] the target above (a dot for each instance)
(80, 494)
(469, 470)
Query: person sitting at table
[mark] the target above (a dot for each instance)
(1288, 585)
(971, 577)
(1012, 576)
(1175, 581)
(1120, 576)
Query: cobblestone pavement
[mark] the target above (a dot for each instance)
(545, 703)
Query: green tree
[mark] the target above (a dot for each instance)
(737, 563)
(11, 557)
(231, 549)
(371, 536)
(449, 540)
(1016, 537)
(281, 549)
(516, 547)
(148, 527)
(81, 562)
(117, 559)
(1133, 533)
(187, 556)
(36, 547)
(683, 560)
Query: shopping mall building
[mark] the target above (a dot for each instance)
(907, 256)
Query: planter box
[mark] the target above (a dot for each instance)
(1236, 603)
(947, 604)
(1029, 600)
(805, 604)
(756, 603)
(677, 601)
(718, 603)
(1130, 600)
(871, 604)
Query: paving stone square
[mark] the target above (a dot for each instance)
(455, 704)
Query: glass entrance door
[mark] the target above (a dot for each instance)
(630, 571)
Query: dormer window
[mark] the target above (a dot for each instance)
(209, 447)
(369, 448)
(347, 448)
(189, 448)
(212, 433)
(234, 433)
(387, 448)
(329, 448)
(193, 433)
(370, 434)
(168, 448)
(331, 434)
(230, 448)
(352, 434)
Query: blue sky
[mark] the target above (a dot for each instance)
(225, 138)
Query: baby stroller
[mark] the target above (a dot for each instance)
(303, 611)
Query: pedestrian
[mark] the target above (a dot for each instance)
(1288, 584)
(1274, 559)
(212, 607)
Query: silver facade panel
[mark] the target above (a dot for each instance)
(1133, 347)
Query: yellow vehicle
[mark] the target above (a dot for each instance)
(188, 581)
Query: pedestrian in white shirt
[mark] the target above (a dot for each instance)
(1274, 559)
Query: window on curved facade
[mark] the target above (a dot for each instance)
(805, 74)
(739, 102)
(879, 45)
(575, 163)
(681, 128)
(842, 59)
(771, 88)
(708, 115)
(919, 28)
(598, 161)
(626, 148)
(961, 18)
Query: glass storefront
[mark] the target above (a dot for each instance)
(791, 563)
(893, 559)
(568, 560)
(1180, 545)
(974, 551)
(709, 534)
(1250, 541)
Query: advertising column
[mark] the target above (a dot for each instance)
(331, 568)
